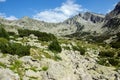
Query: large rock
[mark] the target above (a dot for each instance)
(6, 74)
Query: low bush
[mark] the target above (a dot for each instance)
(80, 49)
(45, 68)
(18, 49)
(14, 48)
(113, 61)
(55, 47)
(3, 44)
(118, 54)
(115, 45)
(106, 54)
(66, 47)
(109, 61)
(3, 33)
(41, 35)
(57, 58)
(103, 61)
(12, 33)
(108, 58)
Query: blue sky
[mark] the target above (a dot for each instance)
(52, 10)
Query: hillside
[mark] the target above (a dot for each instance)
(84, 47)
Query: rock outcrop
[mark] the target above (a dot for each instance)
(114, 13)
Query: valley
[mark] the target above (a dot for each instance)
(84, 47)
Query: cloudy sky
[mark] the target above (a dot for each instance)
(52, 10)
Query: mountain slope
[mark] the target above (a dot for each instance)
(92, 23)
(114, 13)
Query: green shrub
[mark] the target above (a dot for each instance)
(55, 47)
(109, 61)
(106, 54)
(18, 49)
(14, 48)
(80, 49)
(45, 68)
(57, 58)
(66, 47)
(113, 61)
(3, 44)
(115, 44)
(118, 54)
(3, 33)
(17, 66)
(103, 61)
(112, 58)
(2, 65)
(41, 35)
(12, 33)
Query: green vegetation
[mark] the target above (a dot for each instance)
(80, 49)
(3, 32)
(55, 47)
(109, 62)
(2, 65)
(33, 68)
(115, 44)
(45, 68)
(17, 67)
(109, 58)
(12, 33)
(3, 44)
(103, 61)
(114, 61)
(106, 54)
(13, 48)
(66, 47)
(57, 58)
(18, 49)
(41, 35)
(39, 53)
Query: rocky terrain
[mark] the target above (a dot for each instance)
(70, 64)
(84, 47)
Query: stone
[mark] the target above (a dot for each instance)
(7, 74)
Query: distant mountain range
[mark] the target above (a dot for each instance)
(82, 25)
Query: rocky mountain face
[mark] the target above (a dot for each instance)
(95, 18)
(112, 20)
(114, 13)
(70, 26)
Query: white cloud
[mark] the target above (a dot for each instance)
(60, 14)
(3, 15)
(2, 0)
(11, 18)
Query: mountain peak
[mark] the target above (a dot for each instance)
(25, 18)
(114, 13)
(118, 5)
(117, 8)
